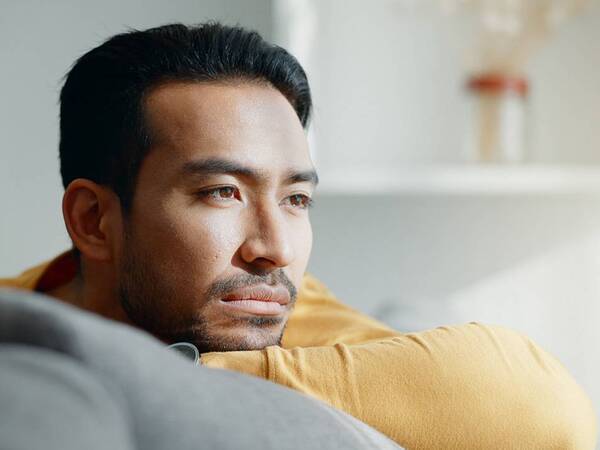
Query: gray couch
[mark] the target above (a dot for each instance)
(72, 380)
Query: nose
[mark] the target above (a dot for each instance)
(268, 245)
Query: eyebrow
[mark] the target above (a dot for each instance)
(217, 166)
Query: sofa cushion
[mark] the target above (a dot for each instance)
(158, 398)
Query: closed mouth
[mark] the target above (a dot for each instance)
(261, 300)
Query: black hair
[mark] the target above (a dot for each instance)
(103, 136)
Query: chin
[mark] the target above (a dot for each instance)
(226, 333)
(238, 338)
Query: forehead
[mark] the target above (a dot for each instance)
(250, 123)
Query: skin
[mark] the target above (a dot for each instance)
(220, 205)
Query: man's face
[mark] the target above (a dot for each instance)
(218, 237)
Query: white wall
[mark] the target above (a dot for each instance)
(39, 41)
(388, 79)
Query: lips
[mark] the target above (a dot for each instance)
(261, 293)
(259, 300)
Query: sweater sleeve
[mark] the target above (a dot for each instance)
(467, 387)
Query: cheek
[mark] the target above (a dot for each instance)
(195, 241)
(308, 241)
(210, 238)
(303, 239)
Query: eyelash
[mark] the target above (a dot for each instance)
(213, 192)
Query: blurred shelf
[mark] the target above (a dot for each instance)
(467, 179)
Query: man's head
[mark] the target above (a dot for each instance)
(187, 181)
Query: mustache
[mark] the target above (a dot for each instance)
(276, 278)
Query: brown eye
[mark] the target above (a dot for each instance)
(300, 201)
(226, 192)
(220, 194)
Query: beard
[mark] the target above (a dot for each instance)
(152, 304)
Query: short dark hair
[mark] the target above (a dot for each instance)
(103, 136)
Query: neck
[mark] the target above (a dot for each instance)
(89, 293)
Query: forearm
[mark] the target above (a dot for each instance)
(458, 387)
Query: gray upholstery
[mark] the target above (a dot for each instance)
(69, 379)
(50, 401)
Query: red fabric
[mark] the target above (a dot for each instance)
(61, 271)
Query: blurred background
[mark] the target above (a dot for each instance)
(458, 143)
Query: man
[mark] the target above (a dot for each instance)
(187, 188)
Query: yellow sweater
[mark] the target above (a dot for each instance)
(460, 387)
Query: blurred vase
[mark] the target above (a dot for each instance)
(497, 119)
(501, 37)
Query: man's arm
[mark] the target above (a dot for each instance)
(464, 387)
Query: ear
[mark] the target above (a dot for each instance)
(92, 215)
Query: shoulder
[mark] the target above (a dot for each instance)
(26, 280)
(45, 276)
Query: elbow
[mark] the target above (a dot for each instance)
(554, 407)
(569, 417)
(538, 404)
(563, 420)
